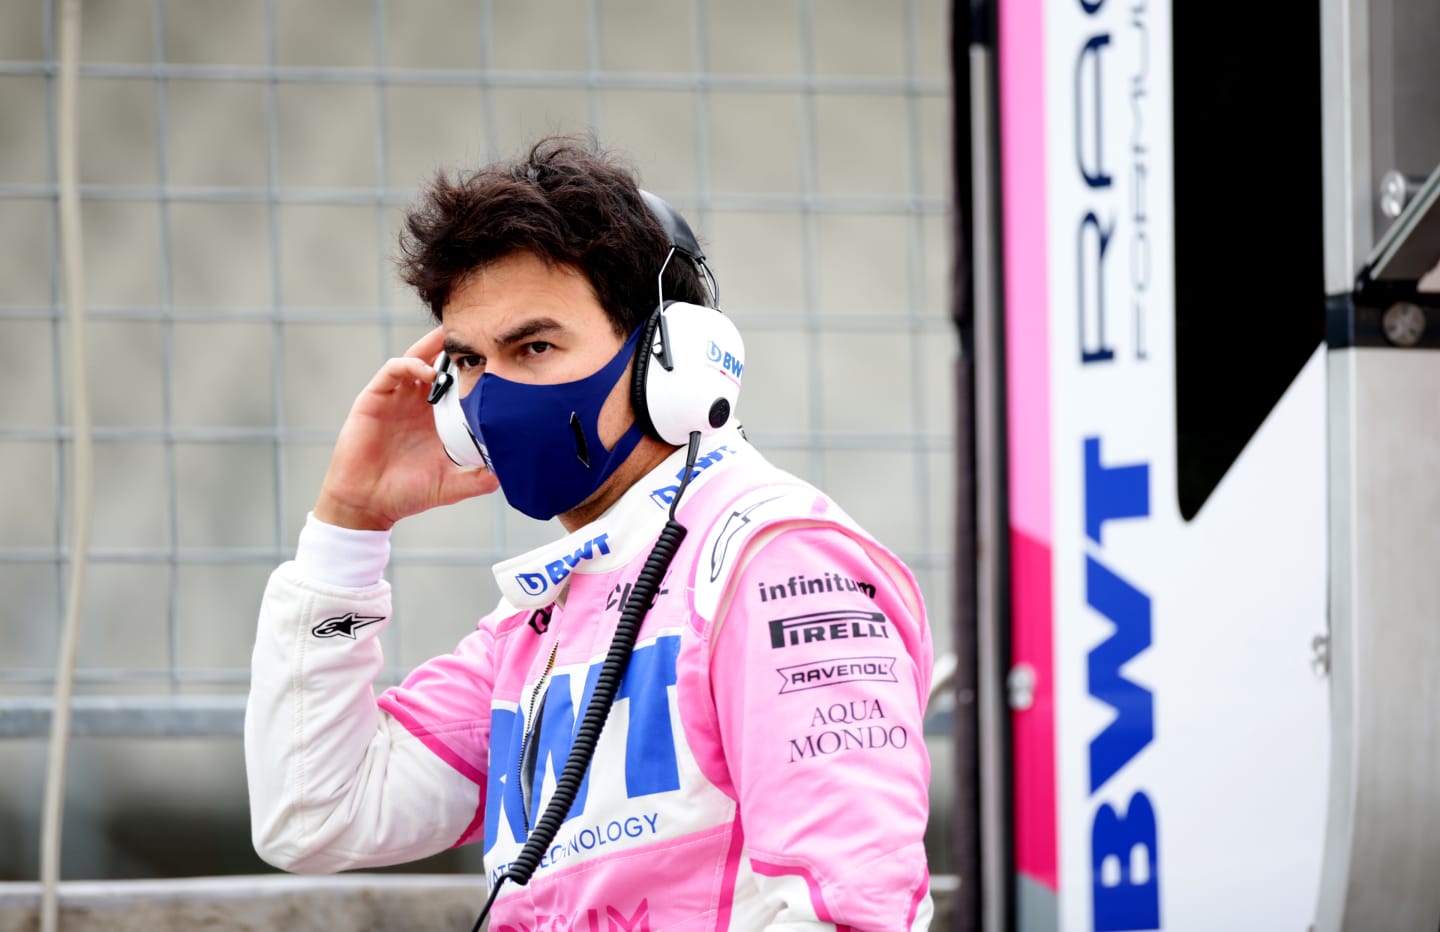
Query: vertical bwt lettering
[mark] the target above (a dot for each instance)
(1134, 725)
(1132, 901)
(1112, 492)
(1125, 858)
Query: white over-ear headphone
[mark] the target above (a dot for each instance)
(687, 367)
(687, 373)
(690, 358)
(461, 444)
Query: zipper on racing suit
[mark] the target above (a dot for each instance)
(525, 765)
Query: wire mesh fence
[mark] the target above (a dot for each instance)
(244, 164)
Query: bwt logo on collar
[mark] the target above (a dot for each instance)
(725, 360)
(555, 573)
(664, 495)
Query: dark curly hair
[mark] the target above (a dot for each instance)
(567, 202)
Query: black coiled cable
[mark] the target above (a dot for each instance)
(607, 684)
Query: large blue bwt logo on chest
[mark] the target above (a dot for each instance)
(650, 762)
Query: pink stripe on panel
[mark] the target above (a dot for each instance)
(1021, 61)
(1026, 271)
(443, 751)
(475, 831)
(433, 742)
(817, 900)
(920, 893)
(1033, 729)
(733, 858)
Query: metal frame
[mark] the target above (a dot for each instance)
(991, 629)
(1382, 848)
(1346, 128)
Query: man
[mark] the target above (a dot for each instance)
(763, 763)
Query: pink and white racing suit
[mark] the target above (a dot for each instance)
(763, 766)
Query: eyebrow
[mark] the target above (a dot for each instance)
(529, 329)
(454, 346)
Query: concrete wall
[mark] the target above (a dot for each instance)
(355, 903)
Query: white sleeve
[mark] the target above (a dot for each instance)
(334, 781)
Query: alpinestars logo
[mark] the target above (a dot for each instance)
(344, 626)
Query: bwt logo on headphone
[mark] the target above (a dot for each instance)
(726, 361)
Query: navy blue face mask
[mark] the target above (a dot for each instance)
(543, 441)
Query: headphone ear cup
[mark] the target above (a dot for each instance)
(455, 433)
(700, 390)
(640, 373)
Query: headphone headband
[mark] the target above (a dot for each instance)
(689, 359)
(677, 230)
(682, 240)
